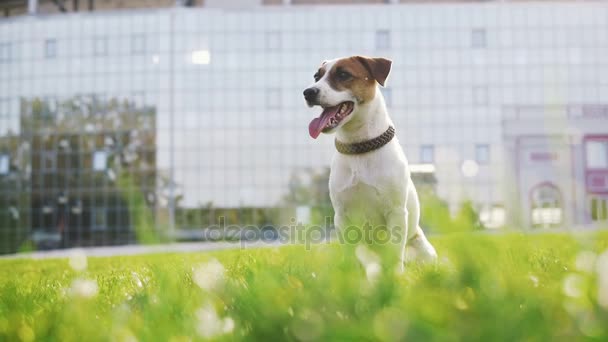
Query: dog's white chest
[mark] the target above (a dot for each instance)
(365, 189)
(361, 203)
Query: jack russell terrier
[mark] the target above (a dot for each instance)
(370, 181)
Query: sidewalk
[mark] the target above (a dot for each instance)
(184, 247)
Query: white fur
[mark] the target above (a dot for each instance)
(374, 187)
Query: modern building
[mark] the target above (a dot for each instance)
(474, 84)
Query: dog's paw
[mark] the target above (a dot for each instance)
(420, 250)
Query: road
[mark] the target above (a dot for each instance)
(183, 247)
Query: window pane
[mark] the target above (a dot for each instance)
(100, 161)
(201, 57)
(480, 95)
(4, 164)
(138, 44)
(594, 214)
(98, 219)
(478, 38)
(597, 154)
(383, 40)
(482, 153)
(49, 161)
(5, 52)
(273, 41)
(388, 96)
(546, 206)
(50, 48)
(273, 98)
(4, 104)
(599, 209)
(100, 46)
(427, 153)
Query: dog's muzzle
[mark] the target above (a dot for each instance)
(311, 95)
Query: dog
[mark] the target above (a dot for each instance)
(370, 181)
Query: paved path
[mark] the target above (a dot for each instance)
(184, 247)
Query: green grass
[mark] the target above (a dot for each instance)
(541, 287)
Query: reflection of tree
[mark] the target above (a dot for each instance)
(435, 212)
(310, 187)
(14, 198)
(207, 215)
(71, 155)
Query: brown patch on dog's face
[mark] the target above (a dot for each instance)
(319, 74)
(359, 75)
(350, 74)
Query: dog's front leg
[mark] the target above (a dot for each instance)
(348, 245)
(397, 224)
(338, 220)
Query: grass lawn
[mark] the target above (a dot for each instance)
(540, 287)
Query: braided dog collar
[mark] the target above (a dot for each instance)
(368, 145)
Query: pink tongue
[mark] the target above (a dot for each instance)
(317, 124)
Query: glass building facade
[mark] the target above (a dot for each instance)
(187, 108)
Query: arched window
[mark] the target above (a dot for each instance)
(546, 206)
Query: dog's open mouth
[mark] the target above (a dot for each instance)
(330, 118)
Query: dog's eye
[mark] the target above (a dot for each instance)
(343, 75)
(317, 77)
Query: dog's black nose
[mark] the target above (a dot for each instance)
(311, 93)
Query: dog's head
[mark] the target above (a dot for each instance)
(342, 87)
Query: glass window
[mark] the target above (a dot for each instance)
(427, 154)
(98, 219)
(49, 160)
(273, 98)
(492, 216)
(5, 52)
(273, 40)
(138, 99)
(100, 46)
(388, 96)
(594, 110)
(138, 44)
(478, 38)
(546, 202)
(51, 103)
(201, 57)
(599, 209)
(480, 95)
(482, 153)
(383, 40)
(4, 104)
(100, 160)
(50, 48)
(597, 154)
(4, 164)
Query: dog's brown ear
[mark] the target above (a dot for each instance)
(378, 68)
